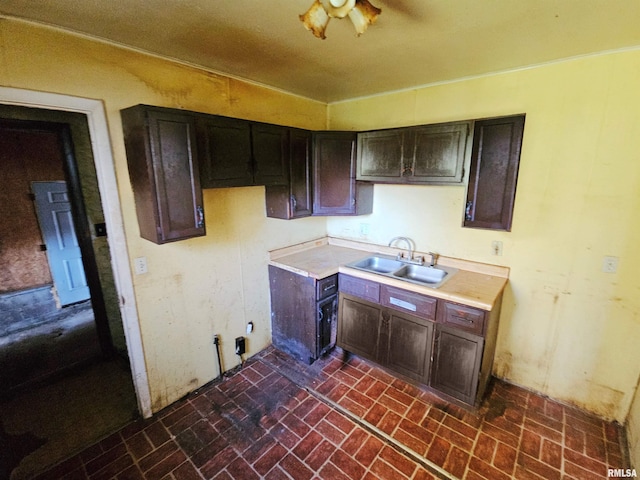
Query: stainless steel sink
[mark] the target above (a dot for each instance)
(378, 264)
(421, 274)
(424, 275)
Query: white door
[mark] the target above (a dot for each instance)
(59, 235)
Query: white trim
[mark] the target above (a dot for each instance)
(107, 184)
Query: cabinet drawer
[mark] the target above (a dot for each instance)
(326, 287)
(462, 317)
(414, 303)
(360, 288)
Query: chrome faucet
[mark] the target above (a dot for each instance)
(411, 247)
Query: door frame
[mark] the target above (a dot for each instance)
(107, 184)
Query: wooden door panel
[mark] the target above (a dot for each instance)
(380, 155)
(439, 153)
(334, 173)
(494, 172)
(225, 145)
(409, 347)
(270, 150)
(300, 172)
(359, 327)
(456, 363)
(178, 197)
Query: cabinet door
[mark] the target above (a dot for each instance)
(163, 167)
(335, 190)
(408, 348)
(427, 154)
(380, 155)
(270, 148)
(300, 173)
(456, 363)
(293, 314)
(225, 144)
(494, 172)
(327, 324)
(436, 153)
(359, 327)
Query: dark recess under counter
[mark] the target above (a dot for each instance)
(304, 313)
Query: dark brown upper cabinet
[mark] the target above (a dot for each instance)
(335, 189)
(270, 147)
(425, 154)
(225, 146)
(238, 153)
(493, 173)
(163, 168)
(293, 200)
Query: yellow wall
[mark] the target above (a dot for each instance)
(567, 330)
(633, 431)
(195, 288)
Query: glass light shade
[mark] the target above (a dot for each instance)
(316, 19)
(338, 8)
(362, 15)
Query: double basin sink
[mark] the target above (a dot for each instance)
(391, 267)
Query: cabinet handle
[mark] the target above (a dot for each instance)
(329, 287)
(468, 214)
(462, 320)
(320, 315)
(200, 217)
(294, 204)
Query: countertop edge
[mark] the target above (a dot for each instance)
(440, 293)
(492, 278)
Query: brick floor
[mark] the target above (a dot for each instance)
(344, 418)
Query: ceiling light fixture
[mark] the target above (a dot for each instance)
(361, 13)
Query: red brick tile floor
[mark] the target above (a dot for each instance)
(344, 418)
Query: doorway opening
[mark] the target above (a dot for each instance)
(48, 250)
(61, 333)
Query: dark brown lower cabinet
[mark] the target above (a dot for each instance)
(393, 339)
(359, 327)
(395, 328)
(456, 363)
(304, 313)
(408, 347)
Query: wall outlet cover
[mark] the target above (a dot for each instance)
(240, 346)
(140, 264)
(610, 264)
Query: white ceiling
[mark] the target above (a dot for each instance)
(413, 43)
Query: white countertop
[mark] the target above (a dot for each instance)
(474, 284)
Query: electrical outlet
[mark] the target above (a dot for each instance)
(140, 265)
(496, 248)
(240, 346)
(365, 228)
(610, 264)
